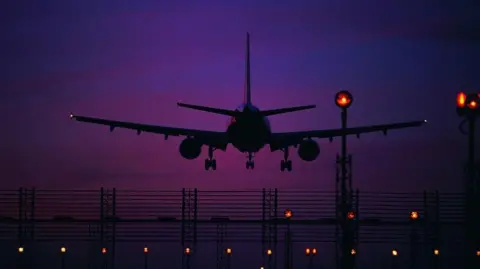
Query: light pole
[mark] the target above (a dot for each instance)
(468, 107)
(343, 100)
(63, 252)
(288, 240)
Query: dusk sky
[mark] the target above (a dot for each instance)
(133, 60)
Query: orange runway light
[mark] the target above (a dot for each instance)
(187, 251)
(461, 98)
(63, 249)
(436, 252)
(353, 251)
(314, 251)
(351, 215)
(21, 250)
(104, 250)
(478, 253)
(269, 252)
(145, 250)
(414, 215)
(288, 214)
(229, 251)
(394, 252)
(472, 104)
(307, 251)
(343, 99)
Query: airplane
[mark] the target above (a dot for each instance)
(248, 130)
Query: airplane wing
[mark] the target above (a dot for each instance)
(209, 138)
(281, 140)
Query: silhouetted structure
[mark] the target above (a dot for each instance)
(106, 217)
(346, 210)
(468, 108)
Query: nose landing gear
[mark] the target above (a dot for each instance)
(285, 163)
(250, 164)
(210, 162)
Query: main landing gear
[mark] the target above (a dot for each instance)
(285, 163)
(250, 164)
(210, 162)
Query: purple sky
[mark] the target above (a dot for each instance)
(132, 60)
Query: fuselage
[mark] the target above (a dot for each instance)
(249, 131)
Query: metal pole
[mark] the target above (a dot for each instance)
(472, 196)
(347, 237)
(229, 257)
(471, 152)
(310, 262)
(343, 164)
(413, 245)
(394, 262)
(288, 246)
(146, 261)
(270, 262)
(436, 263)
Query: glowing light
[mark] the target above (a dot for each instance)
(187, 251)
(394, 252)
(436, 252)
(314, 251)
(478, 253)
(307, 251)
(269, 252)
(20, 250)
(288, 214)
(351, 215)
(414, 215)
(472, 104)
(229, 251)
(104, 250)
(461, 98)
(145, 250)
(343, 99)
(353, 251)
(63, 249)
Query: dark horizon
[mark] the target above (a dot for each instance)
(66, 219)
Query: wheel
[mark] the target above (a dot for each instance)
(289, 165)
(213, 164)
(252, 165)
(247, 165)
(282, 165)
(207, 164)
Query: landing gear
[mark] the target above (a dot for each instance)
(250, 164)
(285, 163)
(210, 162)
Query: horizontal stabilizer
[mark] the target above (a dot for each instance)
(271, 112)
(209, 109)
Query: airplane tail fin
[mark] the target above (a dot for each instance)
(278, 111)
(209, 109)
(246, 91)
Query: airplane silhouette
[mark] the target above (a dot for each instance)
(248, 130)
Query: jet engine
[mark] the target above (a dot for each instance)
(190, 148)
(308, 150)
